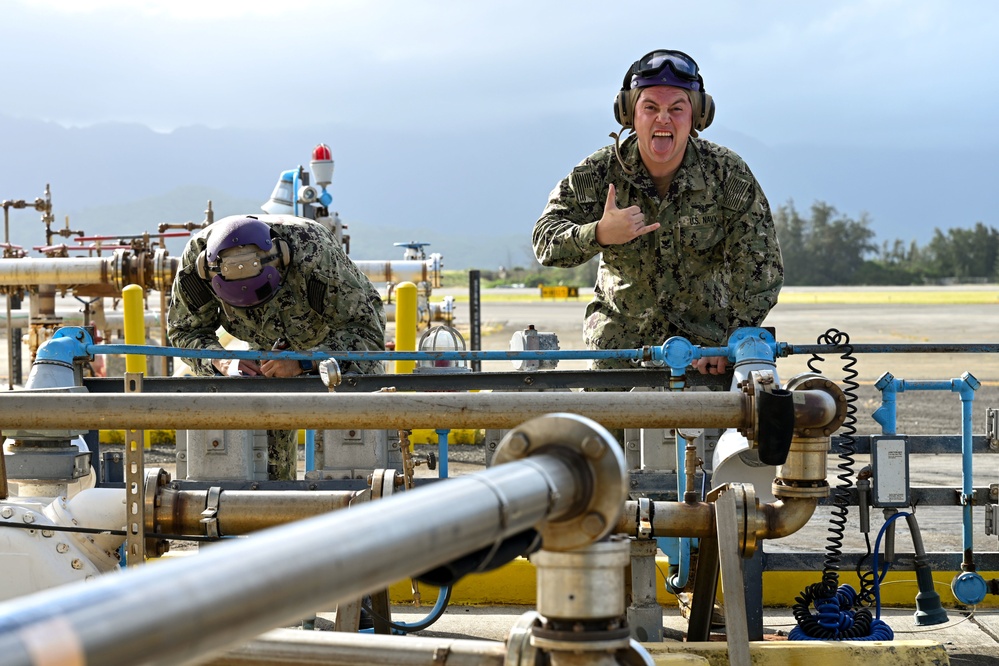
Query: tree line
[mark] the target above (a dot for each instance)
(829, 248)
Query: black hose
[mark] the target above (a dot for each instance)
(834, 603)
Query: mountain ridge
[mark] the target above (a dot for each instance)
(474, 198)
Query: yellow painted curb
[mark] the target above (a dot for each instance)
(419, 436)
(457, 436)
(157, 437)
(516, 584)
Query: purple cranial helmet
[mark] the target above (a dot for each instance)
(241, 260)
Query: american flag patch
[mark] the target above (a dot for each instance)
(736, 193)
(584, 184)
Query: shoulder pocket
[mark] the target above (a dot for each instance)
(737, 194)
(584, 184)
(316, 291)
(195, 290)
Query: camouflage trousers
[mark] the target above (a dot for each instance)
(282, 455)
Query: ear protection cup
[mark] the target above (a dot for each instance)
(201, 265)
(284, 252)
(624, 106)
(702, 107)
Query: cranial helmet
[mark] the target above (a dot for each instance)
(243, 260)
(664, 68)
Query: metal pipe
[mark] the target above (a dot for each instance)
(235, 590)
(815, 409)
(61, 271)
(892, 348)
(242, 511)
(697, 520)
(261, 411)
(404, 270)
(437, 312)
(785, 516)
(671, 519)
(288, 647)
(113, 320)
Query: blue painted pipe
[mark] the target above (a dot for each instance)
(310, 450)
(969, 584)
(442, 434)
(578, 354)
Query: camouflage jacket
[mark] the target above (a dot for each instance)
(324, 303)
(712, 266)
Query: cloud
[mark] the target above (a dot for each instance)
(853, 72)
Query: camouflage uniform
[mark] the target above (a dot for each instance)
(324, 303)
(712, 266)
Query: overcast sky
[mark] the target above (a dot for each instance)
(917, 73)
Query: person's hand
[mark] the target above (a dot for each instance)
(243, 367)
(620, 225)
(281, 367)
(711, 365)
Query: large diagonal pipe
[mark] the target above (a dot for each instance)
(186, 609)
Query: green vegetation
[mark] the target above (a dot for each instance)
(825, 249)
(833, 249)
(536, 275)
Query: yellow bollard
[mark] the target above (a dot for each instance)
(135, 334)
(405, 325)
(135, 326)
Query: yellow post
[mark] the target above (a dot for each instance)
(405, 324)
(135, 326)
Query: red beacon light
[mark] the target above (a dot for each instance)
(322, 152)
(322, 165)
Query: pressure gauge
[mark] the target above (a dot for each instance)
(329, 372)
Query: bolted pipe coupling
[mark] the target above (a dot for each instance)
(596, 457)
(820, 408)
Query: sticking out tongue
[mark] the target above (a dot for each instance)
(662, 144)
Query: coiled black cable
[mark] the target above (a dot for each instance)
(835, 619)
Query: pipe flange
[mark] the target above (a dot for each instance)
(800, 489)
(382, 483)
(156, 481)
(810, 381)
(519, 650)
(589, 446)
(164, 270)
(749, 508)
(121, 273)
